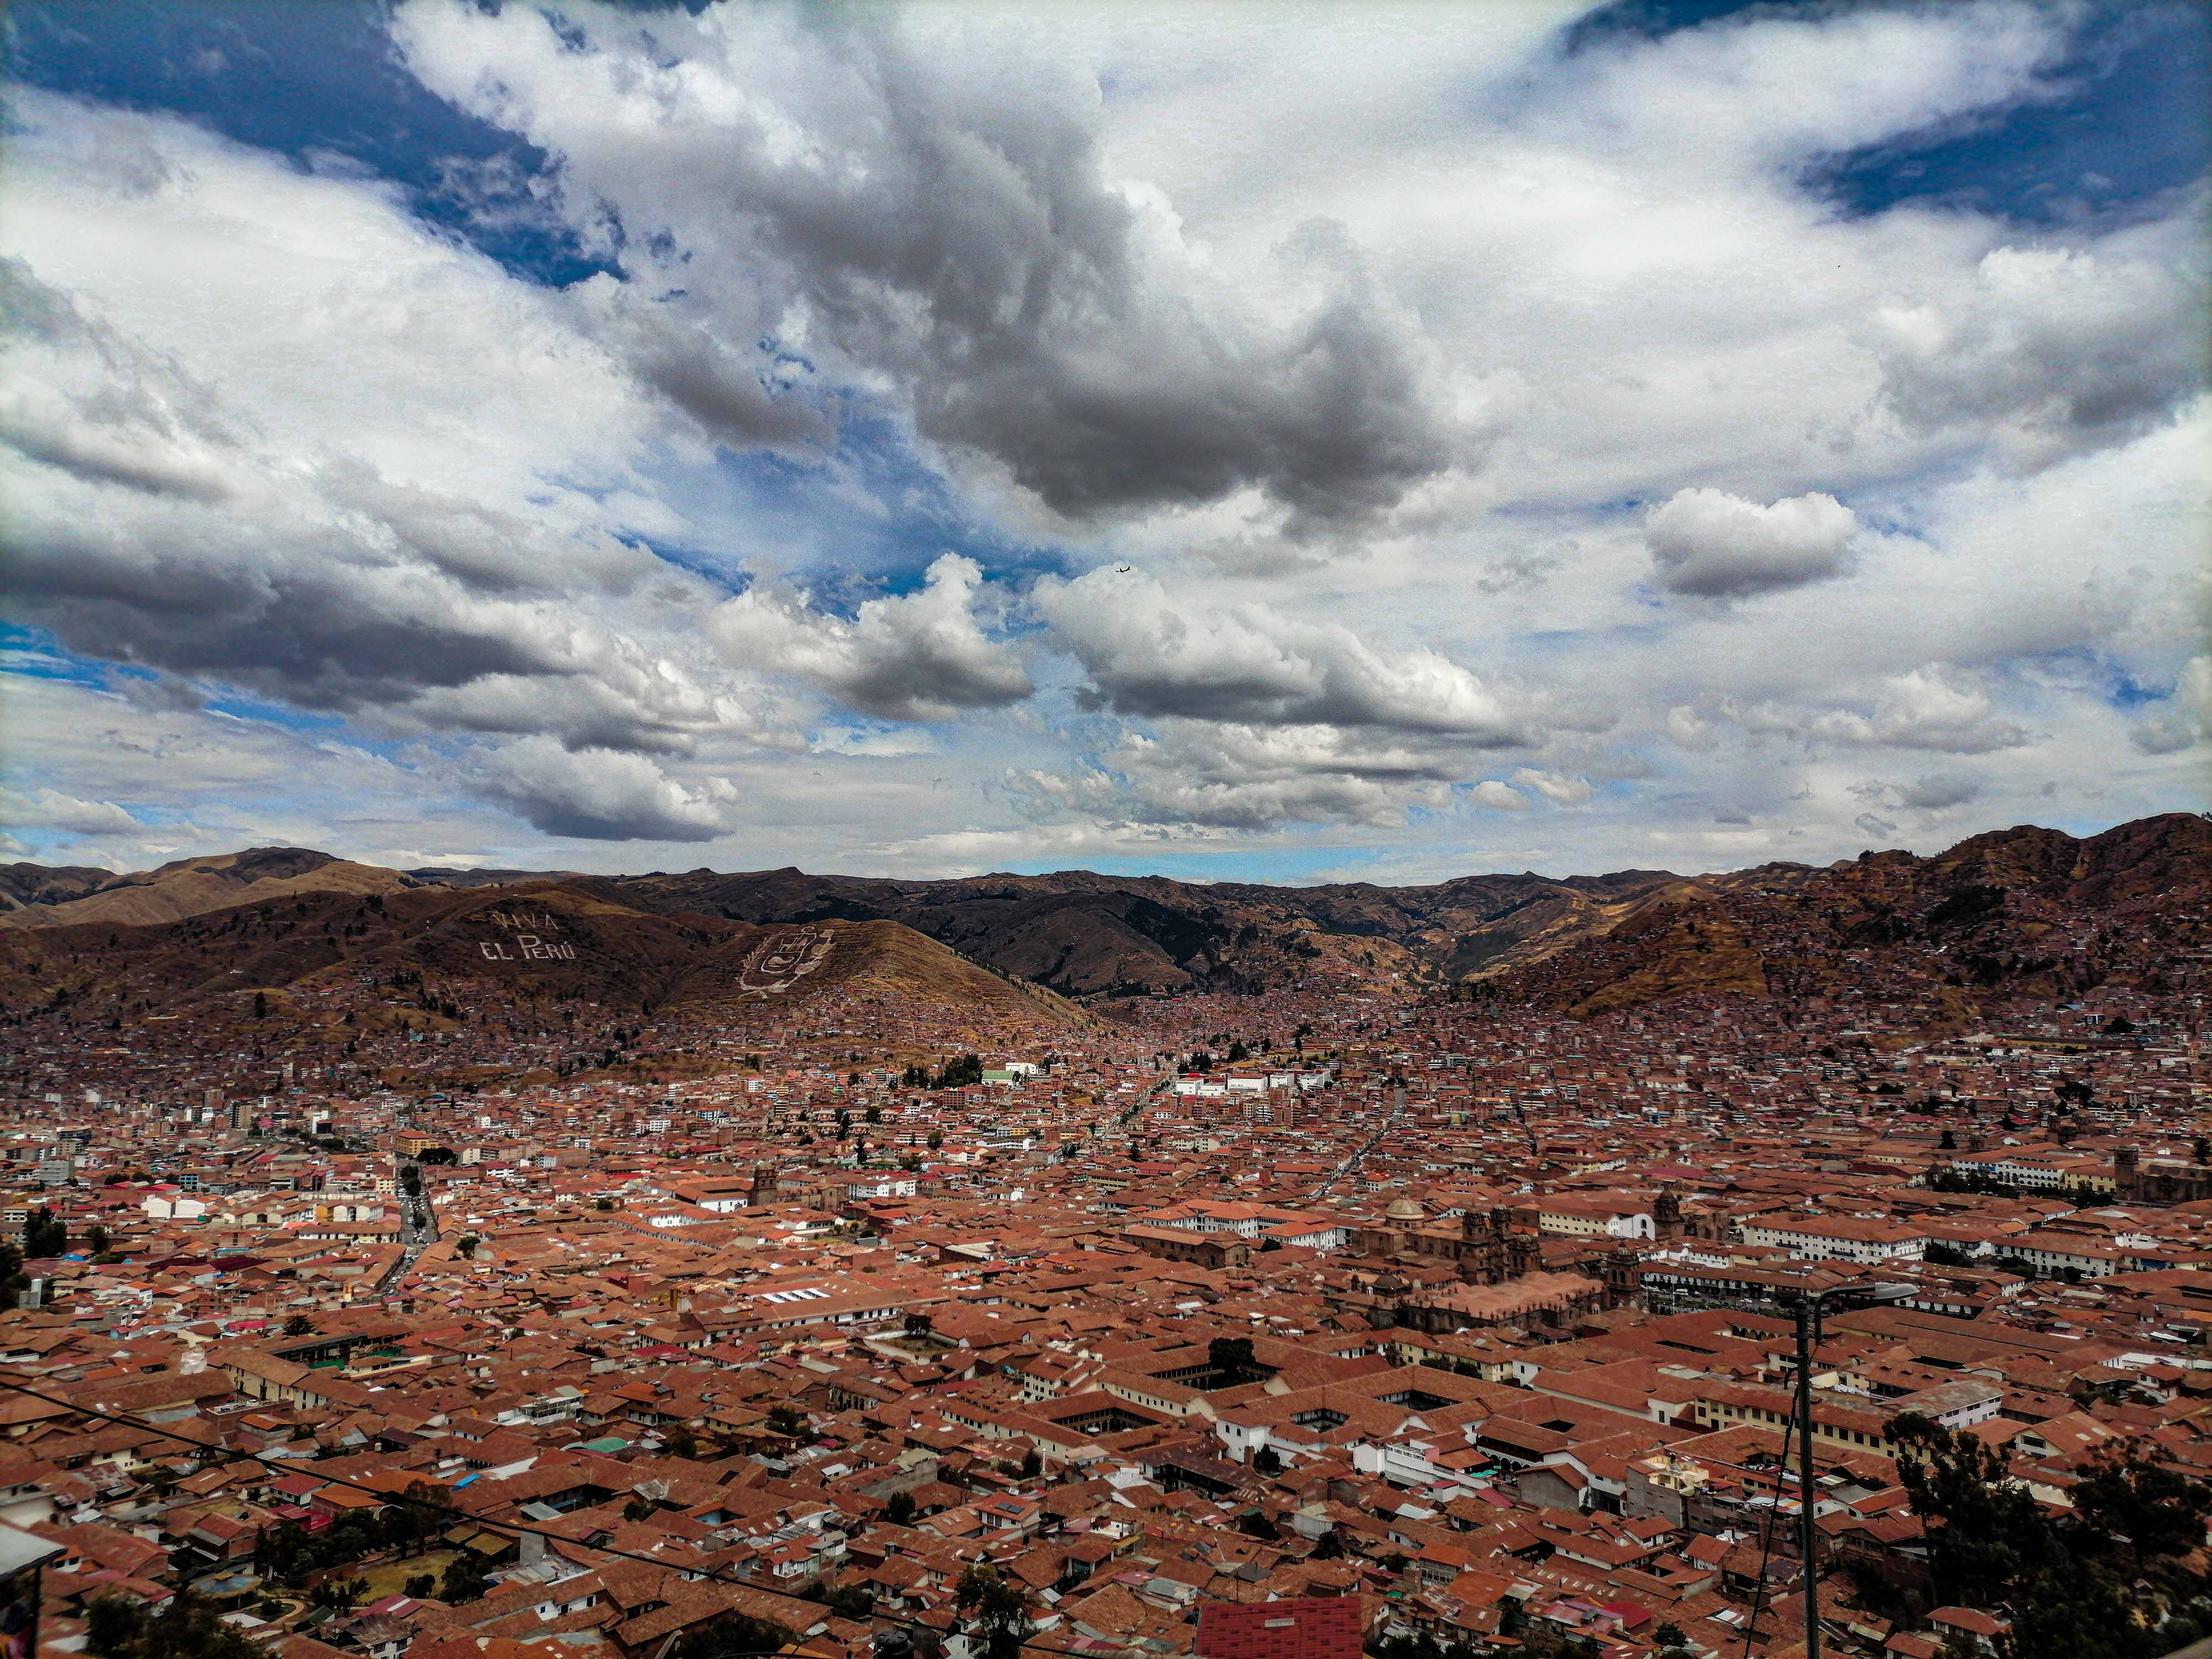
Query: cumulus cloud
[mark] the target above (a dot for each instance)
(918, 656)
(1934, 707)
(1194, 292)
(599, 794)
(1233, 776)
(88, 401)
(929, 211)
(2054, 350)
(1558, 790)
(1688, 728)
(2186, 719)
(1936, 793)
(1710, 544)
(340, 510)
(1151, 654)
(50, 809)
(1246, 777)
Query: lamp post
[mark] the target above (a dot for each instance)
(1809, 1338)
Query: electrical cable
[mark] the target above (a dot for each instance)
(1765, 1552)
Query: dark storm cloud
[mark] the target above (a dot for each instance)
(957, 232)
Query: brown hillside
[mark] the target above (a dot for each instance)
(47, 884)
(2016, 915)
(192, 887)
(545, 944)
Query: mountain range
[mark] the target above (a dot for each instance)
(1582, 944)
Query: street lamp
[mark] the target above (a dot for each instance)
(1808, 1337)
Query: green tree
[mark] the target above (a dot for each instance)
(961, 1073)
(2134, 1501)
(339, 1592)
(998, 1611)
(299, 1325)
(733, 1637)
(2067, 1583)
(855, 1601)
(44, 1235)
(409, 1523)
(463, 1580)
(1231, 1359)
(187, 1628)
(1266, 1461)
(787, 1420)
(899, 1510)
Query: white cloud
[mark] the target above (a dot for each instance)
(49, 809)
(1153, 653)
(1559, 790)
(2186, 720)
(1239, 776)
(1688, 728)
(2051, 349)
(599, 794)
(918, 656)
(1934, 707)
(1713, 546)
(1938, 792)
(1351, 338)
(390, 488)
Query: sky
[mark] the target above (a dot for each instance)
(1238, 442)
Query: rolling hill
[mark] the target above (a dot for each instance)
(444, 951)
(2017, 908)
(2026, 913)
(188, 887)
(1085, 934)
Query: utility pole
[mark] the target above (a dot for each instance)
(1809, 1338)
(1808, 1317)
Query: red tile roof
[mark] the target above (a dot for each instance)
(1310, 1627)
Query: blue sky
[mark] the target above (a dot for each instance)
(922, 441)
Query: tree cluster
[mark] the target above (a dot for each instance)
(2069, 1579)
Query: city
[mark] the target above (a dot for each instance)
(863, 1308)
